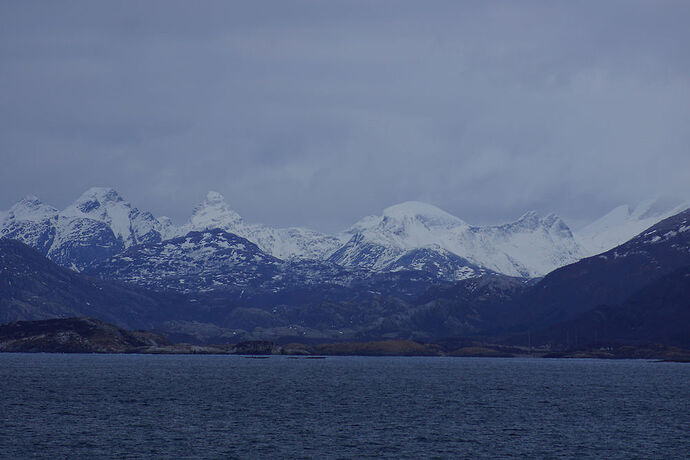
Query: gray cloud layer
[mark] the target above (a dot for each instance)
(317, 113)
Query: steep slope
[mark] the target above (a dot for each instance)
(284, 243)
(625, 222)
(531, 246)
(128, 224)
(32, 288)
(657, 313)
(605, 279)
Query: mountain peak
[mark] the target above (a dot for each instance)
(419, 210)
(529, 216)
(214, 212)
(31, 199)
(214, 198)
(101, 194)
(530, 220)
(31, 207)
(98, 203)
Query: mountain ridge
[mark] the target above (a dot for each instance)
(633, 293)
(411, 235)
(604, 279)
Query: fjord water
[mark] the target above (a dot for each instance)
(95, 406)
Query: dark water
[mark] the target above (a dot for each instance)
(95, 406)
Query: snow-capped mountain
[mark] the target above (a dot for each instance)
(100, 224)
(198, 261)
(31, 222)
(97, 225)
(531, 246)
(284, 243)
(410, 236)
(127, 223)
(625, 222)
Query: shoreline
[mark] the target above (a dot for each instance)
(579, 356)
(85, 335)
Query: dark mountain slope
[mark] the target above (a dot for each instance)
(606, 279)
(32, 288)
(658, 313)
(464, 308)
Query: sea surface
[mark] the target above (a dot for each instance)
(143, 406)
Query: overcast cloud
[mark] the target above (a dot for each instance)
(318, 113)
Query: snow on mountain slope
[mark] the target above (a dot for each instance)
(79, 241)
(198, 261)
(105, 205)
(531, 246)
(214, 259)
(97, 225)
(283, 243)
(625, 222)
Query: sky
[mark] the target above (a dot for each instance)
(317, 113)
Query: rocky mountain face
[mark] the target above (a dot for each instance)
(198, 261)
(215, 260)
